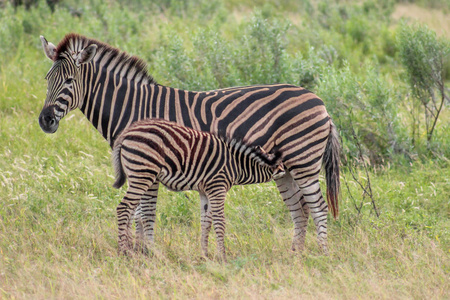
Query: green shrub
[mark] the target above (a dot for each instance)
(424, 57)
(364, 104)
(11, 32)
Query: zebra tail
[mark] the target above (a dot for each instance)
(117, 163)
(331, 166)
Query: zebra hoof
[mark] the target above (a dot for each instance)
(126, 252)
(297, 247)
(142, 249)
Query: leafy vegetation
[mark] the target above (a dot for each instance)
(57, 211)
(424, 56)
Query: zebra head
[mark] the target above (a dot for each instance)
(64, 81)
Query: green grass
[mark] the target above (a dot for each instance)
(58, 231)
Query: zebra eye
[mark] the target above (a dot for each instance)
(69, 80)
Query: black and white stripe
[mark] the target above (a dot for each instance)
(114, 90)
(151, 151)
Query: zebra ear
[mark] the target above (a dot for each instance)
(87, 54)
(49, 49)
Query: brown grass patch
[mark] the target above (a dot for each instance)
(434, 18)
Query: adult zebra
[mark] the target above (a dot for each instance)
(182, 158)
(113, 89)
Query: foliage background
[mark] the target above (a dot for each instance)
(57, 211)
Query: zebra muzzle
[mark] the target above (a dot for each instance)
(48, 121)
(278, 172)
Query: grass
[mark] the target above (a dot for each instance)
(58, 231)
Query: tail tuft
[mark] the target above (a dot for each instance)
(331, 166)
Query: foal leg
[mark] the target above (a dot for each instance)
(139, 228)
(145, 223)
(206, 221)
(125, 209)
(216, 195)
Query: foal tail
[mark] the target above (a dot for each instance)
(121, 178)
(331, 165)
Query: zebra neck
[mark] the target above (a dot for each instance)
(249, 170)
(112, 103)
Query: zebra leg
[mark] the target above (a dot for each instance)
(206, 221)
(125, 209)
(139, 228)
(124, 215)
(319, 211)
(145, 222)
(216, 196)
(295, 202)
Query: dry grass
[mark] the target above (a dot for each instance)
(434, 18)
(58, 234)
(398, 268)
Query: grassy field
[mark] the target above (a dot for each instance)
(58, 226)
(58, 232)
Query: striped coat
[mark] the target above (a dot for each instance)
(182, 158)
(113, 90)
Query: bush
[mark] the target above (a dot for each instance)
(424, 57)
(364, 104)
(11, 32)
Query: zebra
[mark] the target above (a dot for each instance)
(181, 158)
(113, 89)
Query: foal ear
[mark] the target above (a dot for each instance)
(87, 54)
(49, 49)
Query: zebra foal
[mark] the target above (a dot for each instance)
(181, 158)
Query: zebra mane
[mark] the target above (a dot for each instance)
(74, 43)
(256, 153)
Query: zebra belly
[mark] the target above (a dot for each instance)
(178, 181)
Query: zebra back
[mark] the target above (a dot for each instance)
(244, 163)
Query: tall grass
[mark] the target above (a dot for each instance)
(57, 212)
(58, 232)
